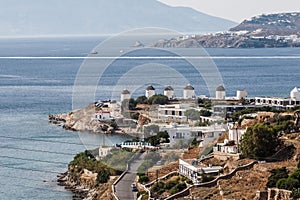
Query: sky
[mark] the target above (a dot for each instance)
(238, 10)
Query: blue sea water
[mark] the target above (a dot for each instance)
(33, 151)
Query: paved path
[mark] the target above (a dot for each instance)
(123, 187)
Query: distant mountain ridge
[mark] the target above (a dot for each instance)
(273, 30)
(36, 17)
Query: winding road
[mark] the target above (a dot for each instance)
(123, 187)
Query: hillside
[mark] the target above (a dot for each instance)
(35, 17)
(274, 30)
(273, 24)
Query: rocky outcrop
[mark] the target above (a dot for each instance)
(84, 187)
(78, 187)
(82, 120)
(175, 43)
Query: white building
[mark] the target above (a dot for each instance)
(189, 92)
(186, 133)
(220, 92)
(241, 94)
(169, 92)
(295, 94)
(193, 170)
(280, 103)
(173, 112)
(236, 133)
(103, 116)
(104, 151)
(276, 102)
(125, 95)
(231, 144)
(150, 91)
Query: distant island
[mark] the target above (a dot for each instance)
(264, 31)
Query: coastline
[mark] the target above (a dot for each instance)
(77, 191)
(84, 188)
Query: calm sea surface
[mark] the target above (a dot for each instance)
(33, 151)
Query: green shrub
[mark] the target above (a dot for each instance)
(170, 184)
(276, 175)
(287, 183)
(141, 174)
(177, 188)
(157, 186)
(295, 193)
(181, 186)
(158, 99)
(143, 179)
(141, 193)
(174, 190)
(103, 176)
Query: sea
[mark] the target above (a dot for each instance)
(37, 77)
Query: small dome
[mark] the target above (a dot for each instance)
(150, 87)
(125, 91)
(220, 88)
(189, 87)
(169, 88)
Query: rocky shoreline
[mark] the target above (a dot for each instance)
(77, 190)
(82, 120)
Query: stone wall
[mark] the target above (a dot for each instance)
(273, 194)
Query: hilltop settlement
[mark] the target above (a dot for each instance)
(190, 146)
(264, 31)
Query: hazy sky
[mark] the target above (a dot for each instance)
(238, 10)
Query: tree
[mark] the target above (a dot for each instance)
(287, 183)
(129, 104)
(163, 136)
(158, 99)
(143, 179)
(192, 114)
(205, 113)
(103, 176)
(276, 175)
(142, 100)
(259, 141)
(296, 174)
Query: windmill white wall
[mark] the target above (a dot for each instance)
(150, 91)
(220, 92)
(125, 95)
(188, 92)
(241, 94)
(169, 92)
